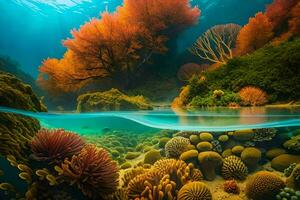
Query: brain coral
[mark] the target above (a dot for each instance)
(194, 191)
(234, 168)
(95, 174)
(55, 145)
(264, 185)
(176, 146)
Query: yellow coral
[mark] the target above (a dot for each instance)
(204, 146)
(251, 156)
(189, 155)
(209, 162)
(194, 191)
(234, 168)
(152, 156)
(206, 136)
(176, 146)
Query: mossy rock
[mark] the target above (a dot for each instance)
(152, 156)
(16, 130)
(110, 100)
(132, 155)
(272, 153)
(280, 163)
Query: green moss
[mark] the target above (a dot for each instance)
(110, 100)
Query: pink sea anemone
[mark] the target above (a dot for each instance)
(54, 145)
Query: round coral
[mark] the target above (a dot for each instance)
(95, 174)
(210, 161)
(176, 146)
(264, 185)
(234, 168)
(54, 145)
(194, 191)
(231, 186)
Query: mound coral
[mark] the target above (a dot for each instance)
(264, 185)
(204, 146)
(264, 134)
(274, 152)
(293, 180)
(176, 146)
(251, 156)
(280, 163)
(223, 138)
(131, 174)
(237, 150)
(152, 156)
(253, 96)
(163, 141)
(95, 174)
(234, 168)
(206, 136)
(193, 191)
(209, 161)
(195, 139)
(55, 145)
(243, 135)
(188, 155)
(231, 186)
(16, 131)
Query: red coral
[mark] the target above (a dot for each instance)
(55, 145)
(95, 174)
(231, 186)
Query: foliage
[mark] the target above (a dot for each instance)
(216, 44)
(188, 70)
(111, 100)
(253, 96)
(55, 145)
(254, 35)
(118, 45)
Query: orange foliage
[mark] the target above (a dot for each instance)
(294, 22)
(117, 45)
(253, 96)
(254, 35)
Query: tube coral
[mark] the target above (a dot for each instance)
(55, 145)
(95, 174)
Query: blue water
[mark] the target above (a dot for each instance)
(214, 119)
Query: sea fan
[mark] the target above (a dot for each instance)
(54, 145)
(95, 174)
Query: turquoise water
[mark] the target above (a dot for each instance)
(213, 119)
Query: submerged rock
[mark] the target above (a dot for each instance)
(16, 131)
(111, 100)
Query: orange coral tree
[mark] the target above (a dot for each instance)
(117, 45)
(254, 35)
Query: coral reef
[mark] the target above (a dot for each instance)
(288, 171)
(234, 168)
(16, 131)
(193, 191)
(264, 185)
(176, 146)
(209, 161)
(92, 171)
(293, 144)
(264, 134)
(110, 100)
(55, 145)
(293, 180)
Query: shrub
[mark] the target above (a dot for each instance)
(253, 96)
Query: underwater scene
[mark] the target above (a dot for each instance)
(150, 100)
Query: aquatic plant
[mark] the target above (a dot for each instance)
(283, 161)
(217, 146)
(234, 168)
(253, 96)
(293, 180)
(288, 171)
(264, 185)
(293, 144)
(264, 134)
(194, 190)
(231, 186)
(92, 170)
(176, 146)
(16, 130)
(288, 194)
(209, 161)
(54, 145)
(216, 44)
(251, 156)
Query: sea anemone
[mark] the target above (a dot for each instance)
(55, 145)
(92, 170)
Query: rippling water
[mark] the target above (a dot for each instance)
(214, 119)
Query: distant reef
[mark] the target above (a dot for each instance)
(268, 75)
(111, 100)
(16, 131)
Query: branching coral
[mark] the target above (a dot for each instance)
(231, 186)
(55, 145)
(234, 168)
(193, 191)
(92, 170)
(176, 146)
(264, 185)
(293, 144)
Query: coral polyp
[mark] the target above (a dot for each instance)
(55, 145)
